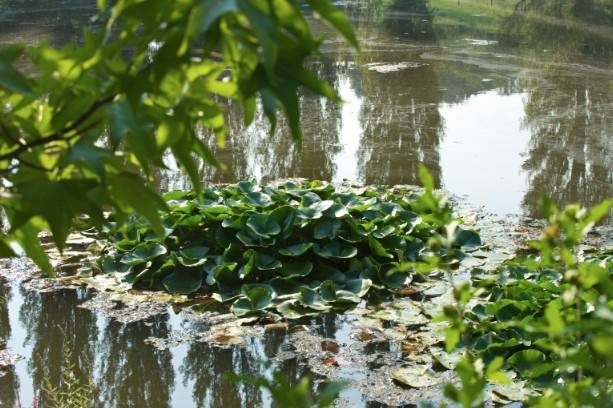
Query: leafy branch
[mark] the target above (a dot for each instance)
(147, 95)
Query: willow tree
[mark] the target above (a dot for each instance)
(83, 127)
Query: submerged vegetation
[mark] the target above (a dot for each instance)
(300, 247)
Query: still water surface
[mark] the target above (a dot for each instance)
(501, 106)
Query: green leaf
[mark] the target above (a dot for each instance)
(27, 237)
(263, 225)
(359, 287)
(59, 213)
(202, 17)
(294, 309)
(378, 249)
(393, 277)
(246, 186)
(426, 178)
(327, 229)
(129, 193)
(257, 297)
(110, 264)
(296, 269)
(327, 291)
(311, 299)
(266, 262)
(183, 281)
(259, 199)
(296, 250)
(143, 253)
(284, 216)
(250, 239)
(336, 18)
(10, 78)
(5, 250)
(528, 362)
(467, 239)
(383, 231)
(192, 256)
(336, 249)
(602, 344)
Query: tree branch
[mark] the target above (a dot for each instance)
(60, 134)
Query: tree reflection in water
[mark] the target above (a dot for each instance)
(54, 323)
(568, 110)
(9, 385)
(133, 373)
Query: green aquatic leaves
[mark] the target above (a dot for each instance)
(298, 248)
(335, 249)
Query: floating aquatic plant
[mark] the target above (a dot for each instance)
(299, 248)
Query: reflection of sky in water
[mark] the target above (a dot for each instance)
(349, 134)
(481, 153)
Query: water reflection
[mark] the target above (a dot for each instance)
(569, 108)
(9, 384)
(133, 373)
(572, 28)
(57, 21)
(55, 325)
(402, 105)
(207, 368)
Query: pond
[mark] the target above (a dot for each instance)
(502, 107)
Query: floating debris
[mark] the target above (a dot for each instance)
(384, 68)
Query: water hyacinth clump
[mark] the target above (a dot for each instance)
(298, 248)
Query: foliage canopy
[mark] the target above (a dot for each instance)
(84, 126)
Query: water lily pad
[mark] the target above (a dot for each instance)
(416, 376)
(247, 187)
(192, 256)
(296, 269)
(143, 253)
(530, 363)
(263, 225)
(327, 229)
(285, 217)
(296, 250)
(250, 239)
(259, 199)
(294, 309)
(383, 231)
(285, 286)
(336, 249)
(358, 287)
(310, 298)
(513, 391)
(468, 240)
(393, 277)
(183, 281)
(110, 265)
(378, 249)
(266, 262)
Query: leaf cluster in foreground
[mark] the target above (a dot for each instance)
(298, 248)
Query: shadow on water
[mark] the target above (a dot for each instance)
(502, 105)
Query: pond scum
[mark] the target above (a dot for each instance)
(536, 328)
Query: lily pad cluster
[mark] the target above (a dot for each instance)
(298, 248)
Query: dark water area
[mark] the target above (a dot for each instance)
(502, 103)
